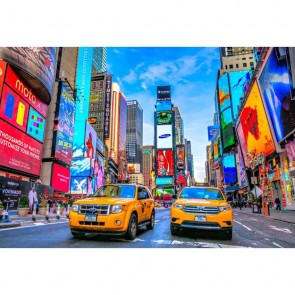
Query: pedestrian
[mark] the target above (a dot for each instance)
(259, 204)
(278, 204)
(36, 203)
(240, 201)
(49, 202)
(32, 197)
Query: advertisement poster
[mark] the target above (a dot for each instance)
(36, 125)
(98, 172)
(164, 136)
(223, 92)
(242, 144)
(90, 141)
(164, 180)
(165, 163)
(180, 160)
(3, 66)
(79, 139)
(60, 178)
(227, 128)
(79, 185)
(255, 126)
(163, 105)
(229, 169)
(22, 152)
(276, 91)
(164, 118)
(163, 92)
(14, 109)
(242, 172)
(82, 167)
(133, 168)
(213, 131)
(14, 189)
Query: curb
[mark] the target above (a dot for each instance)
(10, 224)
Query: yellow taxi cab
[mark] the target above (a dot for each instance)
(114, 209)
(201, 208)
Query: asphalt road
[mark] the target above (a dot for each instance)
(249, 231)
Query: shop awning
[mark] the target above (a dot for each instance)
(232, 188)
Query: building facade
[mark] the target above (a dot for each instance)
(148, 154)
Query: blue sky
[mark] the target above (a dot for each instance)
(190, 71)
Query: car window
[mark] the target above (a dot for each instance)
(143, 193)
(116, 191)
(201, 193)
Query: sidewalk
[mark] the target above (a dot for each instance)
(285, 215)
(19, 221)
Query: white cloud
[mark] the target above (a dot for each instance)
(117, 51)
(130, 78)
(143, 85)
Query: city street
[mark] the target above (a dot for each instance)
(250, 231)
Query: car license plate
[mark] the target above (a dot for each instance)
(90, 217)
(200, 218)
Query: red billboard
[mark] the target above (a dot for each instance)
(22, 89)
(60, 180)
(180, 157)
(2, 74)
(19, 151)
(14, 109)
(165, 163)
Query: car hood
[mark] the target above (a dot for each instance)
(104, 201)
(198, 202)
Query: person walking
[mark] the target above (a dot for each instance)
(278, 204)
(259, 204)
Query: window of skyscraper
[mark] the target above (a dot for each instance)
(244, 64)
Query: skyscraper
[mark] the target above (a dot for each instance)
(99, 60)
(147, 165)
(134, 132)
(178, 126)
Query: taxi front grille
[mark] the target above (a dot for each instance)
(201, 210)
(91, 223)
(94, 209)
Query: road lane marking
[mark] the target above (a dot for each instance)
(277, 245)
(24, 226)
(254, 219)
(285, 230)
(165, 217)
(243, 225)
(266, 239)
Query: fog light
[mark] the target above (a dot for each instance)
(118, 222)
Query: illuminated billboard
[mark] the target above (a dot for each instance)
(227, 128)
(216, 153)
(164, 118)
(238, 80)
(163, 92)
(242, 172)
(164, 180)
(275, 87)
(36, 125)
(2, 74)
(165, 163)
(79, 185)
(60, 178)
(255, 132)
(21, 152)
(107, 108)
(90, 141)
(213, 132)
(78, 141)
(133, 168)
(164, 136)
(98, 172)
(180, 157)
(14, 109)
(39, 62)
(223, 92)
(81, 167)
(229, 169)
(163, 105)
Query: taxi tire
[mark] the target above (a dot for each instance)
(78, 235)
(152, 221)
(131, 231)
(174, 230)
(228, 234)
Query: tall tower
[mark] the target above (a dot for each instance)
(134, 133)
(147, 165)
(99, 60)
(178, 126)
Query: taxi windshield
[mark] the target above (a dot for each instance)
(116, 191)
(201, 193)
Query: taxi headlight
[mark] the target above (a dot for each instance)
(75, 208)
(178, 206)
(224, 208)
(116, 208)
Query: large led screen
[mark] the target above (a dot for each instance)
(36, 125)
(180, 160)
(60, 180)
(164, 136)
(133, 168)
(254, 124)
(213, 132)
(163, 92)
(81, 167)
(79, 139)
(14, 109)
(90, 141)
(216, 153)
(223, 92)
(227, 128)
(229, 169)
(21, 152)
(164, 180)
(242, 172)
(2, 74)
(238, 80)
(79, 185)
(98, 172)
(164, 118)
(163, 105)
(165, 163)
(275, 87)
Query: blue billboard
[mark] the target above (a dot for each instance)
(163, 105)
(82, 167)
(213, 132)
(223, 92)
(79, 185)
(229, 169)
(36, 125)
(164, 180)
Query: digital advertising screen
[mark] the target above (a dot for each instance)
(81, 167)
(229, 169)
(216, 153)
(60, 180)
(223, 92)
(36, 125)
(14, 109)
(164, 118)
(180, 157)
(79, 139)
(242, 144)
(133, 168)
(242, 172)
(21, 152)
(276, 91)
(90, 141)
(98, 175)
(3, 66)
(163, 92)
(165, 163)
(164, 136)
(164, 180)
(212, 132)
(163, 105)
(254, 124)
(238, 80)
(79, 185)
(64, 147)
(227, 128)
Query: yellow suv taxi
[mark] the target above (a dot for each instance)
(201, 208)
(114, 209)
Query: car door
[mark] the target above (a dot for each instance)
(142, 207)
(149, 204)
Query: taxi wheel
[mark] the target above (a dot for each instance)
(152, 221)
(78, 235)
(174, 230)
(132, 227)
